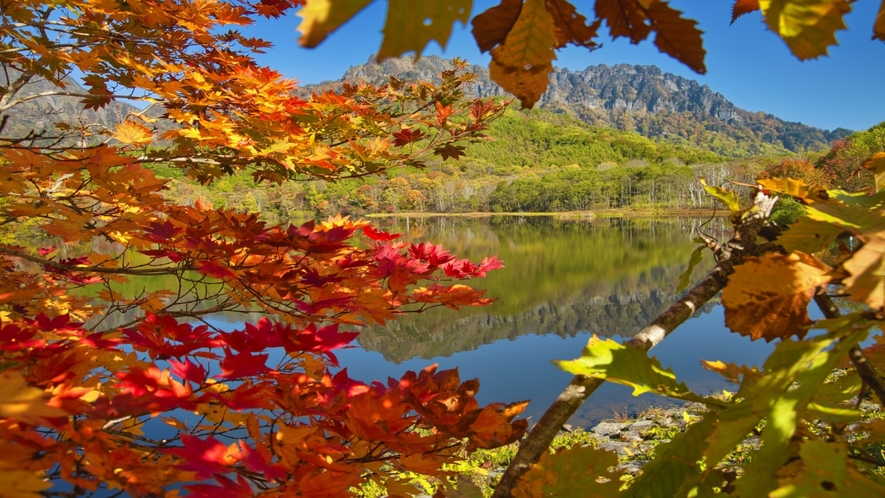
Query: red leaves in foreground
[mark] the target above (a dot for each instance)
(282, 384)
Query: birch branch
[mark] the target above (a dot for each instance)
(730, 254)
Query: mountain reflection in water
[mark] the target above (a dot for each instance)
(563, 281)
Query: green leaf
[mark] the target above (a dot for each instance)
(411, 25)
(827, 472)
(675, 469)
(793, 374)
(809, 236)
(614, 362)
(696, 256)
(727, 197)
(579, 471)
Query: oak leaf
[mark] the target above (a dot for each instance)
(570, 26)
(412, 24)
(867, 267)
(879, 26)
(578, 471)
(742, 7)
(808, 27)
(522, 64)
(319, 18)
(676, 36)
(767, 297)
(490, 28)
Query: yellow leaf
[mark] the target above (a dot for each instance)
(867, 267)
(809, 236)
(876, 164)
(412, 24)
(321, 17)
(24, 403)
(23, 484)
(807, 26)
(132, 133)
(521, 64)
(767, 297)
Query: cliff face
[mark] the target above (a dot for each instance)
(632, 98)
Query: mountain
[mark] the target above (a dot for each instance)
(644, 99)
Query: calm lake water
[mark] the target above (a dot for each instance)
(563, 281)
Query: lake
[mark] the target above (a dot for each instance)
(563, 281)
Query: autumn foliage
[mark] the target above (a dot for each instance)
(115, 373)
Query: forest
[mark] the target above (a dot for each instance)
(122, 239)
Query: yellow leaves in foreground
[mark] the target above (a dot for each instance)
(132, 133)
(767, 297)
(22, 484)
(24, 403)
(808, 27)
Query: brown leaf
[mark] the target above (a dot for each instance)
(867, 267)
(521, 64)
(570, 26)
(412, 24)
(742, 7)
(808, 27)
(624, 18)
(490, 28)
(767, 298)
(876, 164)
(879, 26)
(321, 17)
(676, 36)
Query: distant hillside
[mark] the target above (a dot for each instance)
(633, 98)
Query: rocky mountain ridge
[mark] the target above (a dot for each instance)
(643, 99)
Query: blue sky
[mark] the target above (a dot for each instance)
(749, 65)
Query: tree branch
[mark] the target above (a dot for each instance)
(581, 387)
(866, 371)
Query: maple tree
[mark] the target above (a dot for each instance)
(815, 441)
(115, 375)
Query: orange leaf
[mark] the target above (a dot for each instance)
(133, 133)
(570, 26)
(521, 65)
(624, 18)
(767, 297)
(742, 7)
(879, 26)
(19, 401)
(675, 36)
(490, 28)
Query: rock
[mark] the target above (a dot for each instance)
(632, 467)
(622, 449)
(609, 428)
(631, 436)
(642, 425)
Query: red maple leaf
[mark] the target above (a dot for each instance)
(235, 366)
(380, 234)
(204, 456)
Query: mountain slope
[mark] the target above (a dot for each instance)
(632, 98)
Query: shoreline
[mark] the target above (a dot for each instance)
(566, 215)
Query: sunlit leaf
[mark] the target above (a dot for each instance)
(522, 63)
(827, 472)
(809, 236)
(809, 26)
(609, 360)
(133, 133)
(867, 268)
(727, 197)
(876, 164)
(579, 471)
(23, 483)
(19, 401)
(319, 18)
(411, 25)
(767, 298)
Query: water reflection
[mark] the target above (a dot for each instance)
(563, 282)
